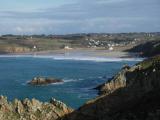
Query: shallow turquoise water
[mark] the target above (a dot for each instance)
(79, 76)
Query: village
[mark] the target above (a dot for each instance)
(115, 41)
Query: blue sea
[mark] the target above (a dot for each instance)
(80, 77)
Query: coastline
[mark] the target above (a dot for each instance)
(86, 52)
(97, 55)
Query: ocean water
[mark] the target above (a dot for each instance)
(80, 77)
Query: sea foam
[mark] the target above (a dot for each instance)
(76, 58)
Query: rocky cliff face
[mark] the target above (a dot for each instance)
(118, 81)
(32, 109)
(133, 94)
(143, 75)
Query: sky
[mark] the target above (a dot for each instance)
(78, 16)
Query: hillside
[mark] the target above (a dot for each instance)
(147, 49)
(133, 94)
(34, 43)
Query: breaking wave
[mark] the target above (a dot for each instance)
(76, 58)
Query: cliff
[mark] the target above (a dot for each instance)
(133, 94)
(14, 49)
(31, 109)
(116, 82)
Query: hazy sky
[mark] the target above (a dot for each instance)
(78, 16)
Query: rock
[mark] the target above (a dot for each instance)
(18, 106)
(31, 110)
(44, 81)
(112, 84)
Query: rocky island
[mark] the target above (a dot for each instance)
(44, 81)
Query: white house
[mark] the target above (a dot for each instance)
(67, 48)
(110, 48)
(34, 47)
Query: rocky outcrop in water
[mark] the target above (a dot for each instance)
(133, 94)
(44, 81)
(31, 109)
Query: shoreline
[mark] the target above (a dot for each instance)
(99, 55)
(102, 53)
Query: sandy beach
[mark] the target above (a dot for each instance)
(84, 52)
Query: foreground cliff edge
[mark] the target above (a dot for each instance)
(32, 109)
(132, 94)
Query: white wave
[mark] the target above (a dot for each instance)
(14, 56)
(100, 77)
(84, 96)
(85, 58)
(24, 84)
(72, 80)
(76, 58)
(69, 80)
(96, 59)
(58, 83)
(80, 79)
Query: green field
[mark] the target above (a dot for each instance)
(30, 43)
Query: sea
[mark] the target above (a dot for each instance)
(80, 76)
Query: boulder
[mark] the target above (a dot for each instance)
(44, 81)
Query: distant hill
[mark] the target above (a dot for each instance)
(34, 43)
(147, 49)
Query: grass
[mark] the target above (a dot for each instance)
(149, 62)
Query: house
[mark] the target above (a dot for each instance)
(110, 48)
(34, 47)
(67, 48)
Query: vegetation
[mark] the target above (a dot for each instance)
(149, 62)
(148, 49)
(29, 43)
(132, 94)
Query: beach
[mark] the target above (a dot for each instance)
(83, 52)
